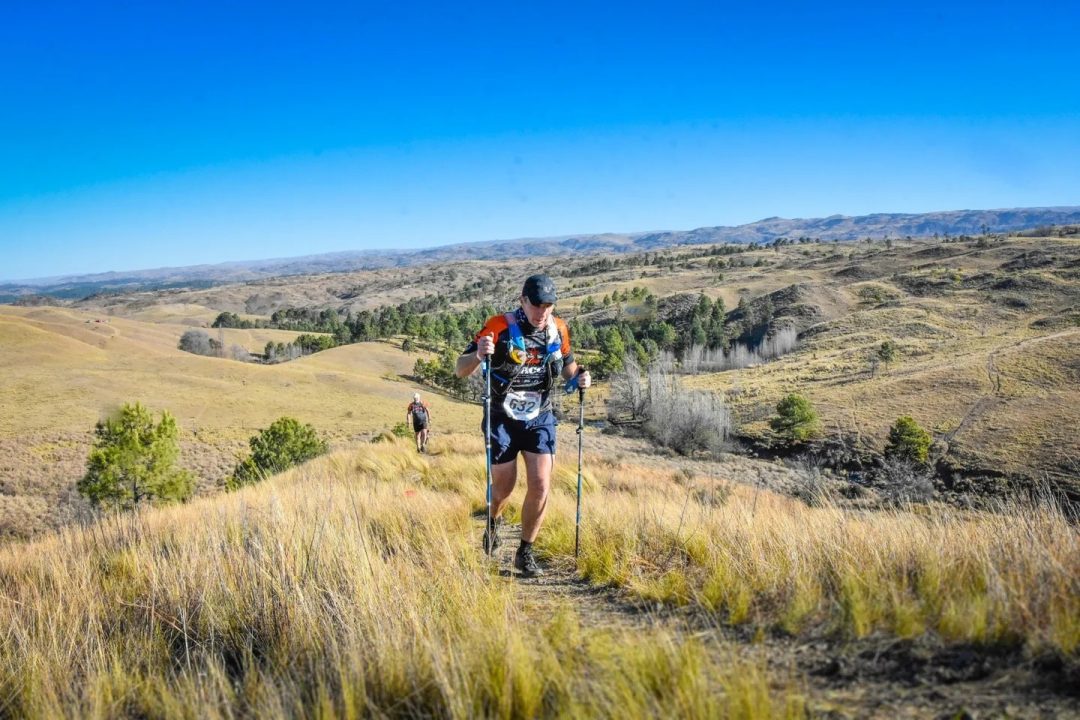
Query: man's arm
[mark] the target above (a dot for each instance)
(467, 363)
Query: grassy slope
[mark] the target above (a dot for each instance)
(988, 359)
(61, 374)
(988, 345)
(353, 586)
(998, 388)
(72, 372)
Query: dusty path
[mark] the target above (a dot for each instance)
(560, 584)
(994, 376)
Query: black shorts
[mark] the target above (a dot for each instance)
(509, 436)
(418, 426)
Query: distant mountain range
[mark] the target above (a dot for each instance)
(832, 228)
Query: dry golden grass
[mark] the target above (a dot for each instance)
(354, 586)
(173, 313)
(63, 371)
(350, 587)
(1004, 579)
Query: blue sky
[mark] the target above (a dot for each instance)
(138, 135)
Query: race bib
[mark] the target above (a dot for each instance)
(523, 405)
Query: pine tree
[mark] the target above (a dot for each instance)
(908, 441)
(796, 419)
(133, 460)
(887, 352)
(284, 444)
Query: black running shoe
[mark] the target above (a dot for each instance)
(526, 563)
(493, 533)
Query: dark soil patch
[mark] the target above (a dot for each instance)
(857, 272)
(939, 251)
(1027, 282)
(1029, 260)
(924, 285)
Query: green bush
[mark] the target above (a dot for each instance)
(402, 430)
(888, 352)
(284, 444)
(132, 460)
(796, 419)
(908, 441)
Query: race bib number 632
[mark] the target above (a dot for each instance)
(522, 405)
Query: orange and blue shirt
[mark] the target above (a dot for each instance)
(526, 364)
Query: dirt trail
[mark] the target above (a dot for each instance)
(560, 584)
(994, 376)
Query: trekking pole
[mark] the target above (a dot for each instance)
(487, 452)
(573, 383)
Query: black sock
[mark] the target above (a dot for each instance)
(525, 545)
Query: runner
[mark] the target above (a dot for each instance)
(419, 414)
(530, 351)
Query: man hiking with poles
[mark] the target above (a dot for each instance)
(528, 352)
(419, 414)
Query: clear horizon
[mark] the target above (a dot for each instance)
(132, 271)
(142, 137)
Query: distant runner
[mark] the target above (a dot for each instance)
(419, 414)
(530, 350)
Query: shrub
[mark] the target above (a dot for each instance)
(199, 343)
(401, 430)
(902, 480)
(132, 460)
(812, 487)
(240, 353)
(284, 444)
(796, 419)
(908, 441)
(684, 420)
(629, 394)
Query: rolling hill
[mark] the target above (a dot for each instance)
(64, 369)
(832, 228)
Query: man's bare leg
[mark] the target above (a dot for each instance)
(503, 480)
(538, 474)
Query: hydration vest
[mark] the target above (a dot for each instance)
(517, 353)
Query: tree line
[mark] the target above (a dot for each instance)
(692, 329)
(425, 318)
